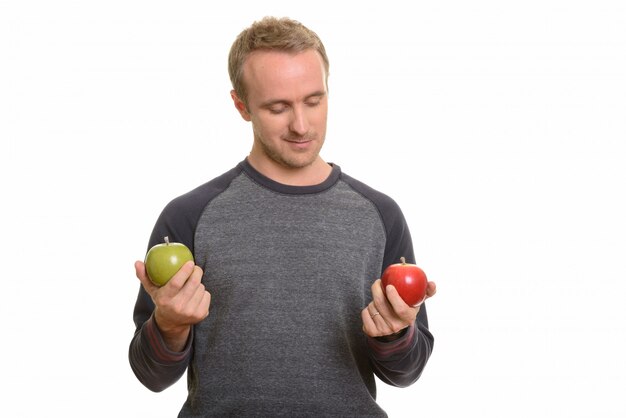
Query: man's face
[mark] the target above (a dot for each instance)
(287, 104)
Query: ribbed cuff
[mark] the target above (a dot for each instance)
(383, 350)
(159, 350)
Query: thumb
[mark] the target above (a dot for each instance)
(142, 275)
(394, 297)
(431, 289)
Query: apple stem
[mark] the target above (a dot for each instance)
(403, 260)
(167, 240)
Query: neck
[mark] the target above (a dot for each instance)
(310, 175)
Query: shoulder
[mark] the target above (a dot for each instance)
(180, 216)
(386, 206)
(196, 199)
(398, 237)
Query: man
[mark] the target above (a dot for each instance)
(296, 322)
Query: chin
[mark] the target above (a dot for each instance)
(305, 160)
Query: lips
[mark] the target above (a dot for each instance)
(299, 140)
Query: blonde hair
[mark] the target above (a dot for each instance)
(270, 33)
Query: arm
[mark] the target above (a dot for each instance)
(399, 341)
(155, 365)
(161, 347)
(398, 358)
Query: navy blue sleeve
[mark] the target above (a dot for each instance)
(400, 362)
(153, 363)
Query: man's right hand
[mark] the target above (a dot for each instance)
(179, 304)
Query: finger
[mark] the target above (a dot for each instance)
(401, 310)
(140, 272)
(199, 304)
(388, 322)
(193, 284)
(179, 279)
(371, 309)
(369, 327)
(431, 289)
(206, 303)
(191, 300)
(380, 301)
(382, 324)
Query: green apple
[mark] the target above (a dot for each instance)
(164, 260)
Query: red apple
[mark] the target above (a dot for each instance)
(408, 279)
(164, 260)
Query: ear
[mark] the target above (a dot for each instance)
(240, 106)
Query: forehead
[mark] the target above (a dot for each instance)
(275, 73)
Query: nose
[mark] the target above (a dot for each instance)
(298, 123)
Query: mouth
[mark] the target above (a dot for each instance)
(299, 145)
(298, 140)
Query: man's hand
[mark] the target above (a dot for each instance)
(389, 315)
(179, 304)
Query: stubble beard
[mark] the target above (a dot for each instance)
(291, 159)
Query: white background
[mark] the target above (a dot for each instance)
(498, 126)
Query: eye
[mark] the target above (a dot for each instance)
(277, 109)
(313, 102)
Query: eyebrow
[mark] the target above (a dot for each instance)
(272, 102)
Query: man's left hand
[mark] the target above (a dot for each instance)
(388, 315)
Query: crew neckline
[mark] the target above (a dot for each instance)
(268, 183)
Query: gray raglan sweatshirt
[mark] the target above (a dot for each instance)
(289, 270)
